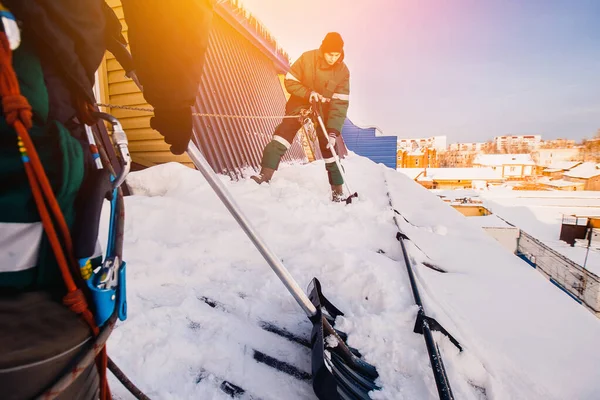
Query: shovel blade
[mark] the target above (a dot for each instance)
(352, 196)
(337, 372)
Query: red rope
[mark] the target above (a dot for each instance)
(17, 111)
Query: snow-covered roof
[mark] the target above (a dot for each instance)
(496, 160)
(416, 152)
(562, 166)
(464, 173)
(559, 183)
(540, 213)
(584, 171)
(412, 173)
(489, 221)
(204, 319)
(452, 174)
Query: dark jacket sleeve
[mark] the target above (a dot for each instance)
(67, 34)
(115, 41)
(338, 108)
(168, 40)
(295, 77)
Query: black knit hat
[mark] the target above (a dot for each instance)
(333, 43)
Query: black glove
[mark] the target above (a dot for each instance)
(175, 124)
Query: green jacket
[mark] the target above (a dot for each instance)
(62, 158)
(311, 73)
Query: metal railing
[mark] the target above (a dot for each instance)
(578, 281)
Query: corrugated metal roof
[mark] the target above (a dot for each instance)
(241, 77)
(365, 142)
(238, 79)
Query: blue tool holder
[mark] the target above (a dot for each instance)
(107, 301)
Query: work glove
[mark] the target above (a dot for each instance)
(332, 135)
(316, 97)
(175, 124)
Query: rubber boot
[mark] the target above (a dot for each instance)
(265, 175)
(270, 161)
(337, 193)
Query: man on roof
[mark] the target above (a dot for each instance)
(322, 77)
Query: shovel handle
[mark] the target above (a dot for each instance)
(269, 256)
(332, 148)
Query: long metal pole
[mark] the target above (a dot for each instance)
(269, 256)
(437, 364)
(587, 253)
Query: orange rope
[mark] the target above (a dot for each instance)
(17, 111)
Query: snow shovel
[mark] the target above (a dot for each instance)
(338, 372)
(332, 148)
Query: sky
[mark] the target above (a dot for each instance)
(467, 69)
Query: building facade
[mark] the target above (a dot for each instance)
(517, 143)
(545, 157)
(435, 142)
(512, 166)
(473, 146)
(420, 158)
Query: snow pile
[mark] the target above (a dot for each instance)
(200, 294)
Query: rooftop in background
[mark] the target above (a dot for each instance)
(559, 183)
(452, 174)
(436, 142)
(540, 213)
(495, 160)
(584, 171)
(562, 166)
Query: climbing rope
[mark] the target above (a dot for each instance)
(18, 114)
(85, 359)
(120, 375)
(147, 109)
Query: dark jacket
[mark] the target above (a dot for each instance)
(63, 44)
(72, 36)
(312, 73)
